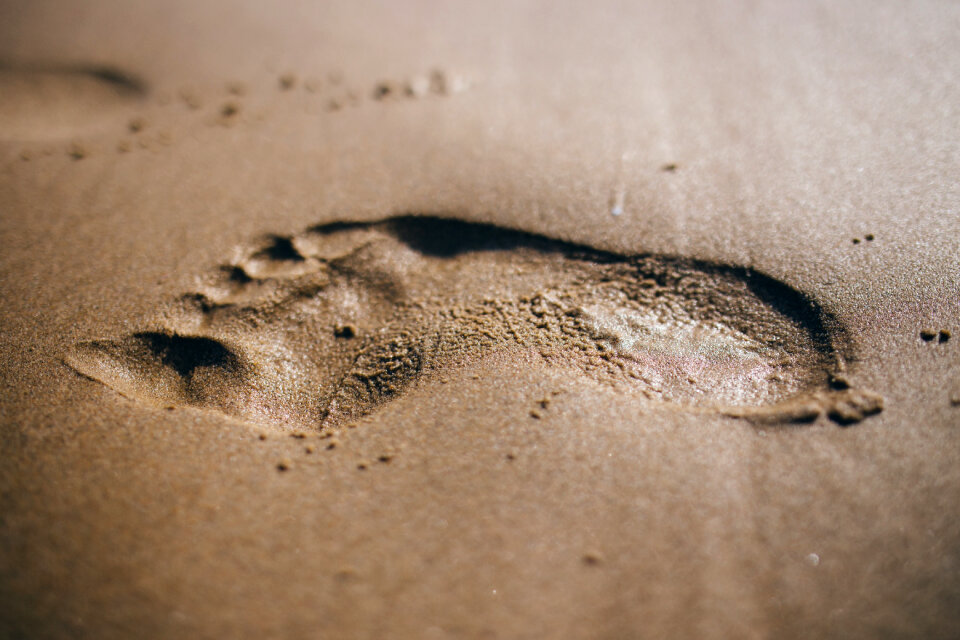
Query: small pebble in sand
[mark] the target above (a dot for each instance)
(262, 436)
(236, 88)
(385, 459)
(299, 435)
(229, 109)
(77, 151)
(670, 167)
(383, 90)
(856, 241)
(592, 558)
(288, 81)
(284, 465)
(813, 560)
(136, 125)
(927, 334)
(849, 406)
(535, 414)
(309, 449)
(944, 335)
(362, 466)
(869, 237)
(345, 574)
(333, 444)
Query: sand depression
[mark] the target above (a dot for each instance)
(328, 325)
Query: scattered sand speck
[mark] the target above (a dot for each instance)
(77, 151)
(383, 90)
(191, 99)
(417, 87)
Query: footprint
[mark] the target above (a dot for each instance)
(44, 102)
(328, 325)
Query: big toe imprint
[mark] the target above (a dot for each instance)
(329, 325)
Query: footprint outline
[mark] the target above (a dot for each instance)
(251, 306)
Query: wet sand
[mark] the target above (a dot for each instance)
(512, 321)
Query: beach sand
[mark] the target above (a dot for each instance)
(510, 320)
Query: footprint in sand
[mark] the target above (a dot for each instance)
(326, 326)
(48, 102)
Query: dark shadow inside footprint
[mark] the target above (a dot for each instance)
(280, 248)
(443, 238)
(187, 353)
(48, 101)
(823, 327)
(330, 324)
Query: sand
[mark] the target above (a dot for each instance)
(513, 320)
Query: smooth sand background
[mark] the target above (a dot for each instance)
(795, 128)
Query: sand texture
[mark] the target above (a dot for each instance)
(491, 320)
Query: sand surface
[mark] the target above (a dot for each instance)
(612, 320)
